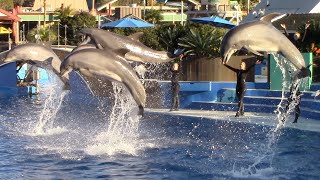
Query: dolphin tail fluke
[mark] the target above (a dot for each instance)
(302, 73)
(141, 110)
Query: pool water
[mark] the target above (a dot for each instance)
(78, 146)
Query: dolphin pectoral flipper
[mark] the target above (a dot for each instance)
(48, 61)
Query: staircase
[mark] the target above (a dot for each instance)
(261, 100)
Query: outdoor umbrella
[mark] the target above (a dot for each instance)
(214, 21)
(4, 30)
(127, 22)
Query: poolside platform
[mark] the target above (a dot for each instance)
(267, 119)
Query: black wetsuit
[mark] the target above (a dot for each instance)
(241, 86)
(295, 97)
(175, 88)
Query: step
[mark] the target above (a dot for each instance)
(309, 113)
(218, 106)
(255, 92)
(230, 107)
(226, 93)
(315, 87)
(310, 103)
(274, 101)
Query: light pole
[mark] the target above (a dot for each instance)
(182, 12)
(24, 33)
(65, 36)
(144, 9)
(58, 34)
(44, 12)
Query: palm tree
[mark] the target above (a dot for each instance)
(169, 35)
(64, 13)
(153, 16)
(45, 34)
(201, 44)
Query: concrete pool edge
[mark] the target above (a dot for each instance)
(252, 118)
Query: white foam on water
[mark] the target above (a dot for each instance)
(254, 173)
(121, 135)
(49, 132)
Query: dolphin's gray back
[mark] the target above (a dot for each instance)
(263, 36)
(40, 54)
(107, 65)
(35, 52)
(138, 51)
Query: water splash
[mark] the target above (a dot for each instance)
(121, 135)
(141, 70)
(283, 110)
(53, 95)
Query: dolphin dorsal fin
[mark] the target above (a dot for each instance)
(267, 18)
(136, 36)
(49, 61)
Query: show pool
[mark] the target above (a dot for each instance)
(165, 146)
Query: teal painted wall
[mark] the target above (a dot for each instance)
(276, 76)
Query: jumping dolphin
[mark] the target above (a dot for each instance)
(106, 65)
(136, 50)
(37, 54)
(261, 36)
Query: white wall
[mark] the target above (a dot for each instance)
(283, 6)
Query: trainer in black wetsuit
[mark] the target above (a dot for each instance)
(241, 85)
(295, 98)
(175, 87)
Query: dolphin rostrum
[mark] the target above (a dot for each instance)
(261, 36)
(106, 65)
(137, 51)
(39, 55)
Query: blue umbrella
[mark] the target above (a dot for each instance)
(214, 21)
(127, 22)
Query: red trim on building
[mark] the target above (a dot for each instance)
(9, 16)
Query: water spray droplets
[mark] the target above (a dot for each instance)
(54, 96)
(121, 135)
